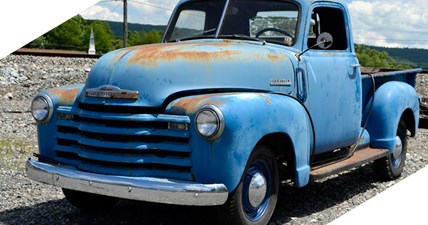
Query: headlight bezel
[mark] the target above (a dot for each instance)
(49, 107)
(219, 122)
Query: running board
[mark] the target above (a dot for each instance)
(359, 158)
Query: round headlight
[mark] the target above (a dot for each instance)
(209, 122)
(41, 108)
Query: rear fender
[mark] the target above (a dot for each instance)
(248, 118)
(391, 101)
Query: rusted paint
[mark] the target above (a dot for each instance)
(65, 96)
(277, 57)
(150, 55)
(129, 50)
(192, 104)
(359, 158)
(221, 43)
(268, 100)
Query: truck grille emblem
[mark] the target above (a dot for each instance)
(109, 91)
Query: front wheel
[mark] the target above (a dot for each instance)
(391, 166)
(254, 200)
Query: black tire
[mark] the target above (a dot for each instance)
(238, 210)
(88, 201)
(391, 167)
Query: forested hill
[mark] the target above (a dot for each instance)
(117, 27)
(411, 56)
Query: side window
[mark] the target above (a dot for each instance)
(189, 23)
(332, 21)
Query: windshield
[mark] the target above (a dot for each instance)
(271, 21)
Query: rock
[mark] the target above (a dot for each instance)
(8, 96)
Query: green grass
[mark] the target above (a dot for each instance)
(13, 146)
(13, 153)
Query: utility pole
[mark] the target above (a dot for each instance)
(125, 23)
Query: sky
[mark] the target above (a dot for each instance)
(387, 23)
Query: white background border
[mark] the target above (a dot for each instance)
(22, 21)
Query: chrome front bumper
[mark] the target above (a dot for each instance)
(135, 188)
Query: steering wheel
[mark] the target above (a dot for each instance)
(273, 29)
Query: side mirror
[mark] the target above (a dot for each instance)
(325, 40)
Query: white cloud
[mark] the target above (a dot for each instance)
(139, 11)
(151, 12)
(99, 12)
(390, 23)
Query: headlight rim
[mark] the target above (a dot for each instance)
(220, 122)
(49, 103)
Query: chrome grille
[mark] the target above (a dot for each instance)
(123, 144)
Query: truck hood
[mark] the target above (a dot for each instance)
(147, 75)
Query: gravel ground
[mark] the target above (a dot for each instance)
(23, 201)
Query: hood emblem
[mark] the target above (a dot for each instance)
(280, 82)
(109, 91)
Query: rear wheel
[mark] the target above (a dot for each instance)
(254, 200)
(89, 201)
(391, 166)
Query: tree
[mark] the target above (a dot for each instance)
(142, 37)
(68, 35)
(39, 42)
(369, 57)
(74, 35)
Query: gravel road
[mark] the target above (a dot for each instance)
(23, 201)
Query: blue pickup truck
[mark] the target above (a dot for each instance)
(238, 97)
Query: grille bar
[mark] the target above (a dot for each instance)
(142, 157)
(124, 117)
(106, 129)
(179, 147)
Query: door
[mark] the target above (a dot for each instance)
(333, 82)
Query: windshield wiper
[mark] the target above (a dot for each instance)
(196, 35)
(244, 37)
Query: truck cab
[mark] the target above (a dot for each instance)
(239, 96)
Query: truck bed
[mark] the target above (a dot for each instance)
(382, 76)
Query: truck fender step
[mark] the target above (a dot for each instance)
(359, 158)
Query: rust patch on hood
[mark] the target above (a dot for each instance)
(65, 96)
(277, 57)
(126, 53)
(152, 54)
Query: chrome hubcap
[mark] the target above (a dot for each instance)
(398, 147)
(257, 190)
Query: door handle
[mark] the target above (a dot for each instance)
(301, 85)
(353, 71)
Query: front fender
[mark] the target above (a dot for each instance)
(61, 96)
(391, 100)
(248, 118)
